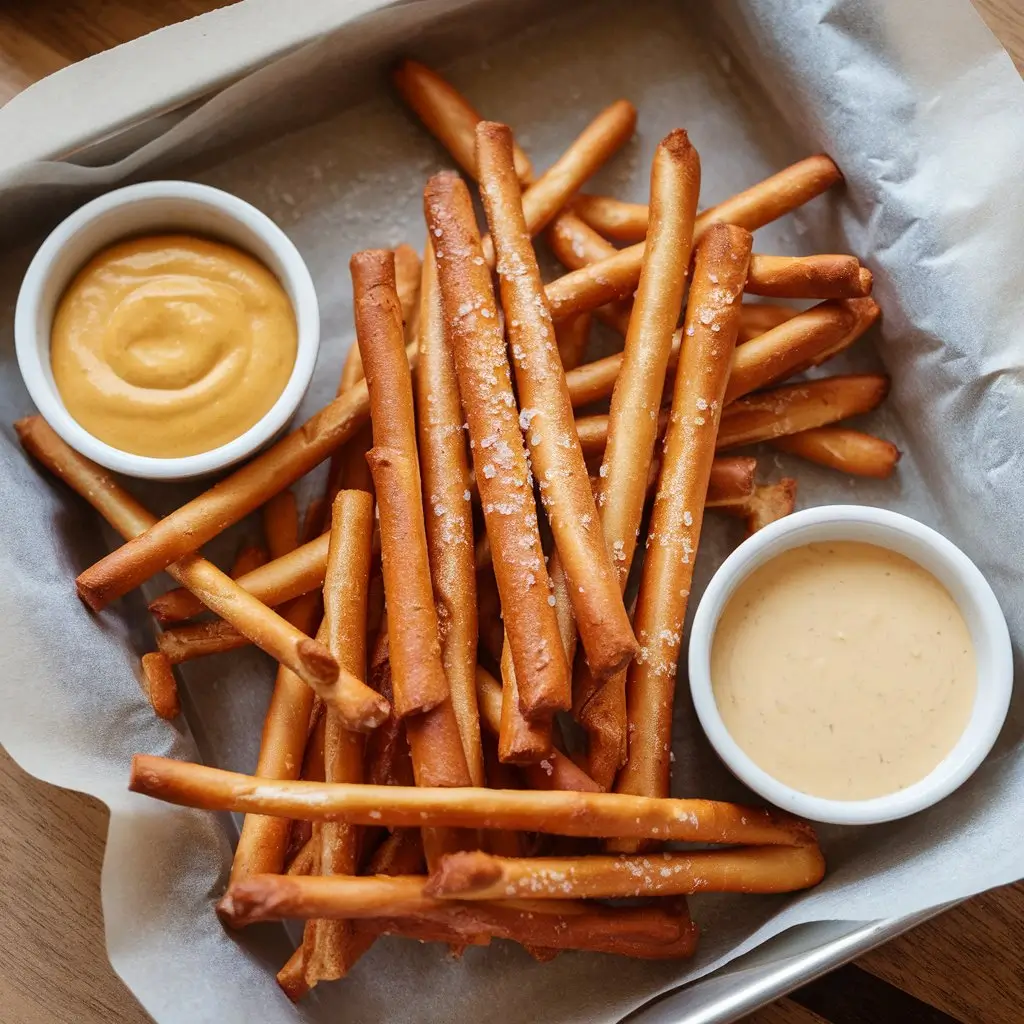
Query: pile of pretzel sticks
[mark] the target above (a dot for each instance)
(469, 733)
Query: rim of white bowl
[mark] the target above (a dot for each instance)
(970, 590)
(31, 351)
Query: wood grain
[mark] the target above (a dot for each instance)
(53, 965)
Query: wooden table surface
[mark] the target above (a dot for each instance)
(967, 965)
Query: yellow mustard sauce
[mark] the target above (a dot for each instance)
(171, 345)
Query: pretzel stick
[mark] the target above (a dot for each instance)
(447, 115)
(160, 686)
(199, 640)
(281, 524)
(791, 346)
(633, 416)
(572, 338)
(248, 558)
(796, 407)
(758, 317)
(824, 276)
(731, 480)
(521, 739)
(710, 328)
(766, 505)
(449, 522)
(273, 583)
(200, 520)
(556, 771)
(477, 875)
(555, 812)
(303, 863)
(329, 947)
(418, 677)
(607, 133)
(292, 977)
(348, 467)
(653, 932)
(263, 840)
(387, 760)
(848, 451)
(547, 412)
(801, 277)
(575, 245)
(485, 386)
(759, 205)
(262, 626)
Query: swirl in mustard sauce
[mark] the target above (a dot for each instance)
(172, 345)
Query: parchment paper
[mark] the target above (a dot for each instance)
(925, 115)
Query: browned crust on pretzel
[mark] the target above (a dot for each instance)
(542, 200)
(823, 276)
(709, 338)
(633, 415)
(449, 516)
(159, 685)
(260, 624)
(418, 678)
(555, 453)
(554, 812)
(843, 449)
(273, 583)
(751, 209)
(555, 771)
(503, 478)
(767, 504)
(280, 524)
(447, 114)
(475, 875)
(801, 406)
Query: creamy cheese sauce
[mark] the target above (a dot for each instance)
(844, 670)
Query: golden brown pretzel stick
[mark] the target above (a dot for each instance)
(228, 501)
(792, 345)
(767, 504)
(281, 524)
(547, 416)
(633, 416)
(572, 337)
(200, 639)
(387, 760)
(292, 977)
(802, 406)
(447, 114)
(549, 193)
(575, 245)
(249, 557)
(449, 515)
(826, 276)
(485, 387)
(802, 277)
(555, 812)
(849, 451)
(418, 678)
(521, 739)
(329, 947)
(273, 583)
(216, 589)
(633, 931)
(263, 840)
(160, 686)
(758, 317)
(556, 771)
(663, 932)
(731, 480)
(709, 330)
(475, 875)
(303, 863)
(759, 205)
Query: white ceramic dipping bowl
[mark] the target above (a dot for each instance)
(157, 207)
(933, 552)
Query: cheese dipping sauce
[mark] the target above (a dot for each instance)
(171, 345)
(844, 670)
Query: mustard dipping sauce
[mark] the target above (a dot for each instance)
(171, 345)
(844, 670)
